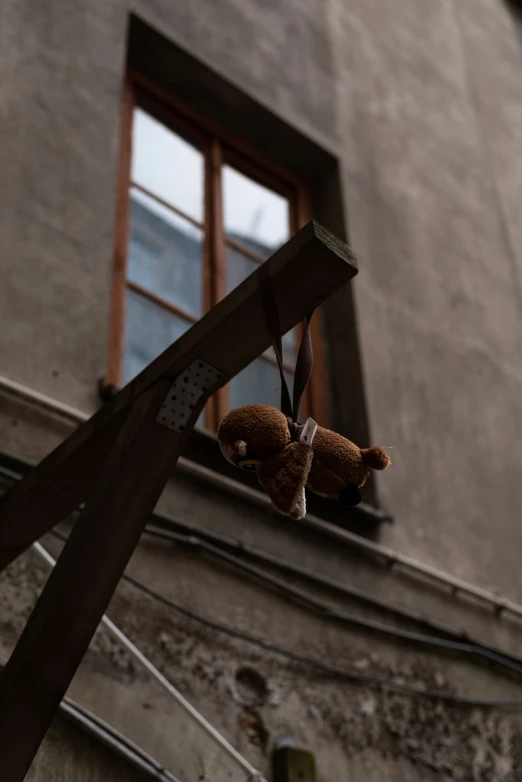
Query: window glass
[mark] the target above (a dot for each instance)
(165, 254)
(258, 383)
(254, 215)
(167, 165)
(149, 330)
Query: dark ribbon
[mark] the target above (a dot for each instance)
(303, 367)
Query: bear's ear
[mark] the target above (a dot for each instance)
(283, 477)
(375, 457)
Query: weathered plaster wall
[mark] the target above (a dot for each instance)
(421, 103)
(255, 697)
(61, 76)
(433, 155)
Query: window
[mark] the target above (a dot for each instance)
(197, 213)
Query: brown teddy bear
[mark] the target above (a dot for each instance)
(288, 456)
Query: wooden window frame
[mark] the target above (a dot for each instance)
(217, 146)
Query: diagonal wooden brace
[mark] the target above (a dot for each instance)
(306, 271)
(58, 632)
(119, 462)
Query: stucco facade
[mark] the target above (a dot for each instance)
(408, 120)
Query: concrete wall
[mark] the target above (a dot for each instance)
(433, 186)
(420, 103)
(255, 696)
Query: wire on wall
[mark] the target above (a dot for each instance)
(310, 662)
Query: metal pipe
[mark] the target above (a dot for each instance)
(458, 641)
(188, 708)
(115, 741)
(221, 547)
(384, 554)
(377, 551)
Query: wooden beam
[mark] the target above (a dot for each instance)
(37, 675)
(146, 444)
(44, 502)
(305, 272)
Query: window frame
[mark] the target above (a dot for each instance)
(218, 147)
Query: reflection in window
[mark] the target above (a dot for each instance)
(167, 165)
(257, 217)
(259, 383)
(165, 253)
(149, 330)
(164, 264)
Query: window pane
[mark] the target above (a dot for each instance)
(167, 165)
(257, 217)
(149, 330)
(259, 383)
(165, 253)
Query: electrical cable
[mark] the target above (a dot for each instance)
(299, 596)
(112, 738)
(475, 648)
(311, 662)
(390, 558)
(460, 641)
(197, 537)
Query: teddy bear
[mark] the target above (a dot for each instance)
(288, 456)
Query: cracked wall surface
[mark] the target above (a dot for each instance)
(257, 697)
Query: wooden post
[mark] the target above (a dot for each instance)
(67, 614)
(128, 456)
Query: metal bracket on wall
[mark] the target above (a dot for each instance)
(185, 392)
